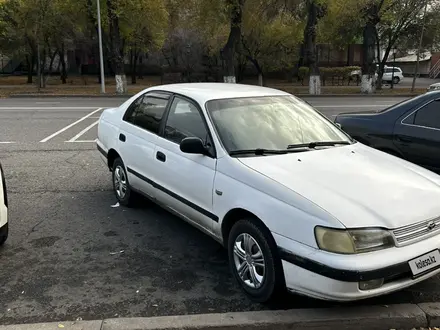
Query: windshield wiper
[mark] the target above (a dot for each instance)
(262, 152)
(313, 145)
(258, 152)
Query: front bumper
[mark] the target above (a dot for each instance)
(336, 277)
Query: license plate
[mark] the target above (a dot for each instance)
(425, 262)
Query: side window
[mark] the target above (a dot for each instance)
(184, 120)
(128, 114)
(429, 115)
(388, 70)
(147, 113)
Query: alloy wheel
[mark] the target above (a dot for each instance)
(249, 261)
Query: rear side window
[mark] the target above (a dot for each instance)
(147, 112)
(429, 115)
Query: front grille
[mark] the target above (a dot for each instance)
(410, 234)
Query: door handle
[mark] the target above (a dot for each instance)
(161, 156)
(122, 137)
(404, 139)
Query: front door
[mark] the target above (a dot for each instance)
(185, 181)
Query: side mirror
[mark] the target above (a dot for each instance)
(339, 125)
(193, 145)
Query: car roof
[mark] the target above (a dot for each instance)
(203, 92)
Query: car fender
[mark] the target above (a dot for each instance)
(279, 208)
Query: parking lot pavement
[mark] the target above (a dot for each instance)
(72, 254)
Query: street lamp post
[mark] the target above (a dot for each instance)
(394, 65)
(101, 56)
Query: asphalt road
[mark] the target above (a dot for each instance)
(71, 254)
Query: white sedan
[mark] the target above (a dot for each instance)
(297, 203)
(3, 208)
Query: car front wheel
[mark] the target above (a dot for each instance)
(254, 262)
(3, 234)
(396, 80)
(121, 185)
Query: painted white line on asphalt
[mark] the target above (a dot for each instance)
(46, 108)
(353, 106)
(82, 141)
(6, 142)
(83, 132)
(71, 125)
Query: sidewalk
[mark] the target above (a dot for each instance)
(404, 316)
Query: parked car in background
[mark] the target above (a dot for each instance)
(409, 130)
(387, 75)
(297, 202)
(434, 87)
(3, 208)
(392, 74)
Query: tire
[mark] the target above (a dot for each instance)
(3, 234)
(122, 191)
(270, 282)
(396, 80)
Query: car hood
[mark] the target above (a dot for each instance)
(358, 185)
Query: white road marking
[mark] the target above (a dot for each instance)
(353, 106)
(47, 102)
(71, 125)
(83, 141)
(46, 108)
(83, 132)
(6, 142)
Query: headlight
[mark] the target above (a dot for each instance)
(353, 241)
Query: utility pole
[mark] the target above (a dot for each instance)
(101, 56)
(416, 71)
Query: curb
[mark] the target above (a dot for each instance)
(403, 316)
(130, 95)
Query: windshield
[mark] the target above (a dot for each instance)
(274, 122)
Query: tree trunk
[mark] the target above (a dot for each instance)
(63, 65)
(30, 63)
(230, 48)
(133, 61)
(259, 70)
(315, 12)
(117, 52)
(368, 67)
(141, 68)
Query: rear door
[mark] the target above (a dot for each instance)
(138, 136)
(417, 135)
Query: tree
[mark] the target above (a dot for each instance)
(316, 9)
(371, 15)
(397, 17)
(117, 53)
(235, 10)
(269, 38)
(144, 25)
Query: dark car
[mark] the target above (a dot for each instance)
(409, 129)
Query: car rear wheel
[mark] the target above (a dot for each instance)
(121, 186)
(254, 261)
(3, 234)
